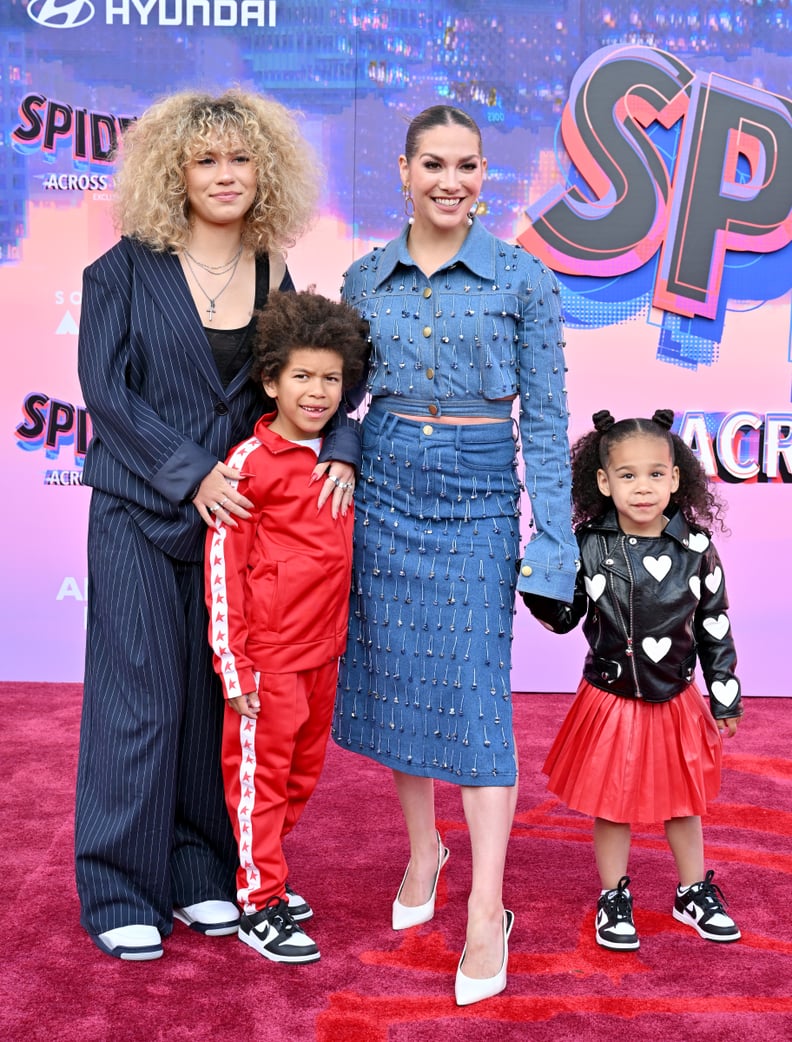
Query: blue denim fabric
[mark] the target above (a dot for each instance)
(483, 329)
(424, 686)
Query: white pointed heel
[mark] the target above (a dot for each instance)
(471, 989)
(405, 916)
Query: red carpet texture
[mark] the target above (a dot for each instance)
(373, 985)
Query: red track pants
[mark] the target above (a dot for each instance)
(270, 768)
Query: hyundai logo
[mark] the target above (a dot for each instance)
(61, 14)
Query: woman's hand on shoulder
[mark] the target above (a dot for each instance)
(217, 498)
(338, 482)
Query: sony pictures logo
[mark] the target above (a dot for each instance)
(61, 14)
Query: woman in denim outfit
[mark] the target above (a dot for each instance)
(462, 324)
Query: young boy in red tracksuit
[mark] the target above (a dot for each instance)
(277, 588)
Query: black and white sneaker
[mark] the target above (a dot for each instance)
(274, 934)
(702, 906)
(299, 909)
(614, 924)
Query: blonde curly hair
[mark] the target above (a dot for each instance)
(151, 196)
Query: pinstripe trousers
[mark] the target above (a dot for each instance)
(151, 829)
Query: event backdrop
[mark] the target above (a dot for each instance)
(643, 150)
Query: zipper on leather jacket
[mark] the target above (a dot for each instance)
(630, 653)
(628, 631)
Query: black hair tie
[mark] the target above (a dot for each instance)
(603, 421)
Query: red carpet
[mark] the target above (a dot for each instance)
(373, 985)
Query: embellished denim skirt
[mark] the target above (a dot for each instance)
(424, 685)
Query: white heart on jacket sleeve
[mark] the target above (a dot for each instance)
(714, 579)
(656, 649)
(695, 586)
(716, 626)
(658, 567)
(725, 693)
(698, 542)
(594, 586)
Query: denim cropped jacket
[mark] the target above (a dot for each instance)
(482, 330)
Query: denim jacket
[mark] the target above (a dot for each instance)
(482, 329)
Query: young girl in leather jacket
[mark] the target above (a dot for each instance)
(639, 743)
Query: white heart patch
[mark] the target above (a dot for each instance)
(717, 627)
(658, 567)
(725, 693)
(695, 586)
(698, 542)
(656, 649)
(595, 586)
(714, 579)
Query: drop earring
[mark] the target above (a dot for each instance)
(472, 212)
(409, 204)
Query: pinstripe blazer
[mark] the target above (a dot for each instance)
(160, 414)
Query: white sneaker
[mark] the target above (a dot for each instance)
(137, 943)
(702, 907)
(614, 926)
(299, 909)
(213, 918)
(274, 934)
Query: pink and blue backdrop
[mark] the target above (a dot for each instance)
(643, 150)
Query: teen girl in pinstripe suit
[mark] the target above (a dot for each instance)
(210, 192)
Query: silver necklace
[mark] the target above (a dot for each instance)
(213, 300)
(217, 269)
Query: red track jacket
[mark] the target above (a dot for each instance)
(277, 587)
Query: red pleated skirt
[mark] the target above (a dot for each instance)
(627, 760)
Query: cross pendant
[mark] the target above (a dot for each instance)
(211, 310)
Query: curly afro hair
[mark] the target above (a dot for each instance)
(290, 321)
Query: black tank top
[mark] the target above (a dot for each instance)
(231, 347)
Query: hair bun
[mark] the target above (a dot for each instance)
(603, 421)
(664, 418)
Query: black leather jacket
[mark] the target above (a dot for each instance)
(652, 607)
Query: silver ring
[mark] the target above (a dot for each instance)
(215, 508)
(336, 481)
(346, 485)
(222, 502)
